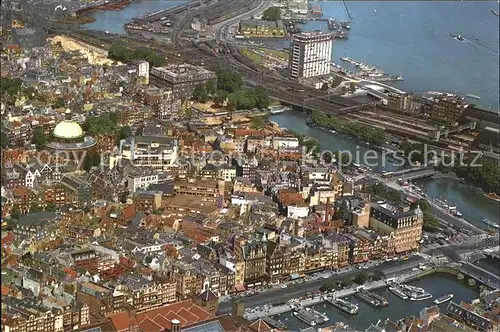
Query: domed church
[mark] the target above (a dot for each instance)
(68, 136)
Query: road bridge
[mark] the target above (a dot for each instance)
(414, 173)
(481, 275)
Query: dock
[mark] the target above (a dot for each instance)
(307, 316)
(371, 298)
(273, 323)
(344, 305)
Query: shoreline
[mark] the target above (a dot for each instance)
(407, 278)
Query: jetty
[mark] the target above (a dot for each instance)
(273, 323)
(371, 298)
(310, 316)
(344, 305)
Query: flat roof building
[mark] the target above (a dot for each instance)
(181, 79)
(310, 54)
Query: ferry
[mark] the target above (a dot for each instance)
(421, 297)
(457, 37)
(493, 196)
(491, 223)
(344, 305)
(398, 292)
(277, 111)
(443, 299)
(473, 96)
(304, 317)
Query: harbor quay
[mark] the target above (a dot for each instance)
(295, 304)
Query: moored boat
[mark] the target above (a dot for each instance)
(398, 292)
(493, 196)
(491, 223)
(443, 298)
(344, 305)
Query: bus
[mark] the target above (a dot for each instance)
(387, 174)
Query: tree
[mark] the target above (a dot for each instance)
(15, 213)
(51, 207)
(361, 278)
(39, 138)
(347, 282)
(4, 140)
(211, 87)
(229, 81)
(124, 196)
(343, 211)
(92, 158)
(258, 122)
(261, 97)
(59, 103)
(220, 97)
(200, 93)
(272, 14)
(34, 207)
(352, 87)
(123, 133)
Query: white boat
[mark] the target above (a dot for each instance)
(459, 214)
(421, 297)
(473, 96)
(491, 223)
(443, 298)
(397, 291)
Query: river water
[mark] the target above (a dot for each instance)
(436, 284)
(474, 206)
(113, 20)
(407, 38)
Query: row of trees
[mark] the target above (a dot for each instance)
(431, 222)
(230, 87)
(486, 176)
(363, 133)
(119, 52)
(11, 89)
(384, 191)
(360, 279)
(15, 213)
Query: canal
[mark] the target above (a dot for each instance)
(469, 200)
(438, 284)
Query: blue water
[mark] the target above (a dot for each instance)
(407, 38)
(114, 21)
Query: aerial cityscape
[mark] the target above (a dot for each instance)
(250, 165)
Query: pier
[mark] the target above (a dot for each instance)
(310, 316)
(371, 298)
(344, 305)
(273, 323)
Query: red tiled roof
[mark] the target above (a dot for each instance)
(8, 239)
(129, 212)
(5, 290)
(185, 311)
(72, 273)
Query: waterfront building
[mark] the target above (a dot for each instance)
(447, 109)
(182, 79)
(261, 28)
(310, 54)
(402, 224)
(397, 101)
(483, 117)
